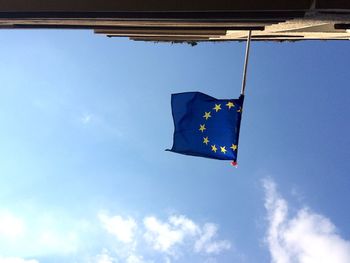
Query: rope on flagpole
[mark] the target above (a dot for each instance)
(246, 63)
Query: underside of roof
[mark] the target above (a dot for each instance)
(184, 20)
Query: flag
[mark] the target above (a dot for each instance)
(205, 126)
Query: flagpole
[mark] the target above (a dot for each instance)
(246, 63)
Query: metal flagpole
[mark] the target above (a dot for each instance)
(234, 163)
(246, 63)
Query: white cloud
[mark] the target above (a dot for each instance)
(104, 257)
(127, 257)
(306, 238)
(185, 224)
(50, 238)
(44, 234)
(86, 118)
(11, 226)
(210, 260)
(122, 228)
(37, 233)
(206, 244)
(170, 239)
(17, 260)
(134, 259)
(163, 236)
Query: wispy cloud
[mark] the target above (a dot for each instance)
(135, 259)
(104, 257)
(206, 242)
(86, 118)
(11, 226)
(163, 236)
(307, 237)
(122, 229)
(169, 239)
(36, 233)
(17, 260)
(120, 238)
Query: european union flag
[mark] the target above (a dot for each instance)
(205, 126)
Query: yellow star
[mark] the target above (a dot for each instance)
(223, 149)
(207, 115)
(213, 148)
(217, 107)
(205, 140)
(230, 104)
(240, 109)
(202, 127)
(234, 147)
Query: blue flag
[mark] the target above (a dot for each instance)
(205, 126)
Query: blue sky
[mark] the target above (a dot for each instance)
(85, 120)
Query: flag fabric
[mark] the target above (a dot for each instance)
(205, 126)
